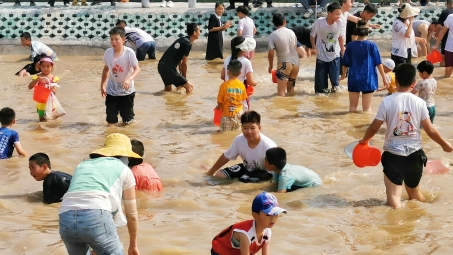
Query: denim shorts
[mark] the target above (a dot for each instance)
(81, 229)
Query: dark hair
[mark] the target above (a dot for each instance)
(371, 8)
(435, 22)
(25, 35)
(333, 6)
(405, 74)
(235, 42)
(242, 9)
(425, 66)
(138, 147)
(277, 157)
(342, 2)
(219, 4)
(7, 116)
(38, 58)
(361, 31)
(191, 28)
(278, 20)
(118, 31)
(121, 21)
(40, 159)
(250, 117)
(448, 2)
(235, 67)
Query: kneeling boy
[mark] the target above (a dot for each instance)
(145, 176)
(250, 236)
(251, 145)
(289, 177)
(55, 184)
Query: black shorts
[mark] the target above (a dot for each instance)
(404, 168)
(240, 171)
(170, 76)
(442, 46)
(124, 105)
(448, 59)
(400, 60)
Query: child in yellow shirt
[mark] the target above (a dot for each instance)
(231, 95)
(389, 65)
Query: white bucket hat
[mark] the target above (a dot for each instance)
(408, 11)
(247, 45)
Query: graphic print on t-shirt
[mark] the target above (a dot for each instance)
(404, 126)
(330, 44)
(116, 70)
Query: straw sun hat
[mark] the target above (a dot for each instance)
(406, 11)
(117, 145)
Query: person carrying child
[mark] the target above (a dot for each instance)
(231, 95)
(289, 177)
(246, 27)
(55, 183)
(37, 48)
(250, 236)
(45, 78)
(251, 145)
(426, 88)
(216, 27)
(389, 65)
(121, 68)
(403, 158)
(32, 68)
(9, 139)
(145, 176)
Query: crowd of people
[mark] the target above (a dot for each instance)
(95, 199)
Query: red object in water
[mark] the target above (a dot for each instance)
(366, 155)
(217, 116)
(274, 76)
(434, 57)
(436, 167)
(250, 90)
(41, 94)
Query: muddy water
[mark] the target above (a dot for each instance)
(345, 216)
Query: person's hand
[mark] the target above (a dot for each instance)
(133, 251)
(447, 147)
(103, 92)
(363, 142)
(342, 50)
(23, 73)
(420, 40)
(435, 47)
(127, 84)
(269, 69)
(386, 82)
(313, 51)
(227, 24)
(375, 26)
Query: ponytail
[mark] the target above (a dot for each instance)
(235, 51)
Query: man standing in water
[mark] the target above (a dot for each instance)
(176, 55)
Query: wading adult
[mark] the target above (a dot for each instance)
(403, 37)
(440, 23)
(369, 11)
(176, 55)
(423, 31)
(143, 42)
(92, 207)
(362, 57)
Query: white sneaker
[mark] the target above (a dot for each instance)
(308, 13)
(170, 4)
(164, 3)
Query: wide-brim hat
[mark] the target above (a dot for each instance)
(117, 145)
(408, 11)
(247, 45)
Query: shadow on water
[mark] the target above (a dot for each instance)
(318, 114)
(35, 197)
(331, 200)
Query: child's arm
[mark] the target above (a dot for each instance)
(239, 32)
(105, 75)
(244, 241)
(434, 134)
(19, 150)
(219, 106)
(371, 131)
(127, 82)
(220, 162)
(183, 67)
(383, 75)
(313, 45)
(265, 250)
(33, 83)
(270, 58)
(222, 75)
(254, 30)
(250, 80)
(414, 91)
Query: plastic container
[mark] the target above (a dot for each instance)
(366, 155)
(217, 117)
(250, 90)
(436, 167)
(434, 57)
(41, 94)
(274, 76)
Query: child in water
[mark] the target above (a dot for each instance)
(32, 68)
(246, 27)
(426, 88)
(9, 139)
(214, 48)
(250, 236)
(389, 65)
(145, 176)
(42, 79)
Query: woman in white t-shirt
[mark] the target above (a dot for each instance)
(239, 47)
(403, 37)
(92, 207)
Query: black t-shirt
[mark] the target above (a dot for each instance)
(303, 35)
(350, 28)
(30, 68)
(442, 18)
(55, 185)
(175, 53)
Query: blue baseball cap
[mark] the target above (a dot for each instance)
(267, 203)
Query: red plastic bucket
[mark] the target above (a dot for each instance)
(41, 94)
(434, 57)
(250, 90)
(366, 155)
(274, 76)
(217, 116)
